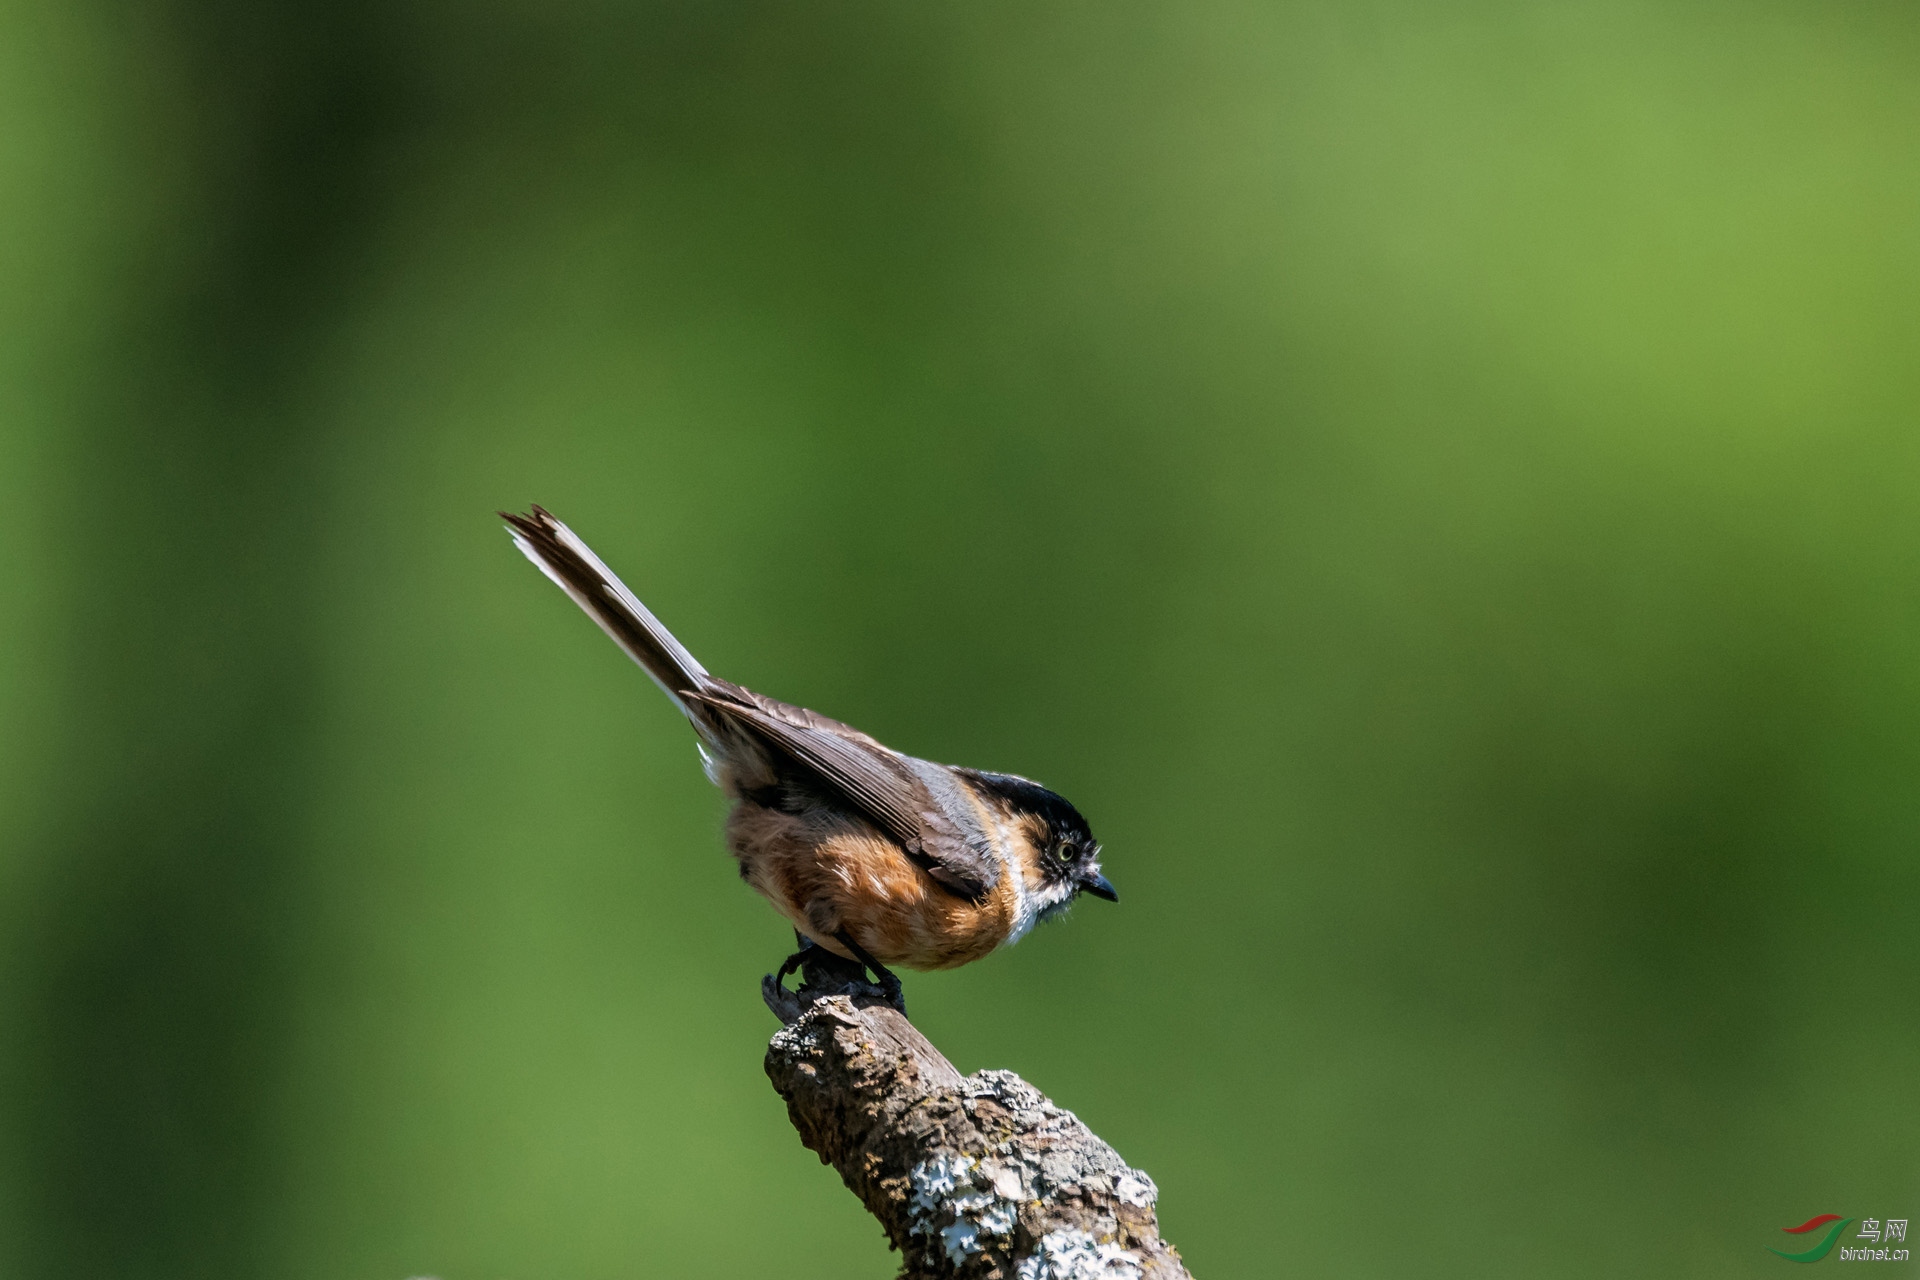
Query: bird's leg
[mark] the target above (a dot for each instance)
(889, 984)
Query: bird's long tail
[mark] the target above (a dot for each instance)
(557, 552)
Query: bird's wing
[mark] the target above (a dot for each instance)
(875, 781)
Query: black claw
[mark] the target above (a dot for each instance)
(790, 965)
(793, 962)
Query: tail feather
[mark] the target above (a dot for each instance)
(557, 552)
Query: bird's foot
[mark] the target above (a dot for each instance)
(822, 973)
(793, 962)
(889, 984)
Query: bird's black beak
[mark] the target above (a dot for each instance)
(1098, 885)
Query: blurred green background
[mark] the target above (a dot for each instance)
(1436, 485)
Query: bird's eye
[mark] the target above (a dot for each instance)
(1063, 852)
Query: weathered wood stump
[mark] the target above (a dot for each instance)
(973, 1177)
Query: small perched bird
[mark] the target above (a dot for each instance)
(878, 857)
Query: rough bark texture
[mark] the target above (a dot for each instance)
(976, 1177)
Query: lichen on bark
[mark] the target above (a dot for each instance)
(974, 1177)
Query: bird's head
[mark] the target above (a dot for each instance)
(1059, 857)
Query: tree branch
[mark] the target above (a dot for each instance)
(973, 1178)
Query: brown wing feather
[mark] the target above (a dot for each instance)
(876, 781)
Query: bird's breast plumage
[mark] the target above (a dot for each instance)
(829, 873)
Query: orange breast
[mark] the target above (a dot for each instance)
(829, 874)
